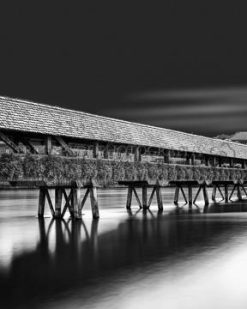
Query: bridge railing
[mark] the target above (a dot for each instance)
(62, 170)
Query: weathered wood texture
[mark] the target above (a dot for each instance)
(73, 202)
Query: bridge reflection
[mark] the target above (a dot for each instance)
(84, 259)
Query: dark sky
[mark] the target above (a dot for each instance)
(177, 64)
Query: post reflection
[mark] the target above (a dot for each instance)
(75, 255)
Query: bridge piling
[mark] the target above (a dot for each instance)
(58, 202)
(190, 196)
(129, 198)
(94, 202)
(144, 197)
(73, 202)
(144, 203)
(159, 198)
(239, 194)
(176, 196)
(41, 206)
(226, 193)
(205, 195)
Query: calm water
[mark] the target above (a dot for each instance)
(133, 260)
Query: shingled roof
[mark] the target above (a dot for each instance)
(27, 116)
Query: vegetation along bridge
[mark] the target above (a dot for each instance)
(71, 151)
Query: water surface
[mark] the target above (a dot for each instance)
(177, 259)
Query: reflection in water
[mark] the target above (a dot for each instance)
(129, 260)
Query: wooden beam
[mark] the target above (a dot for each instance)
(137, 197)
(58, 202)
(65, 146)
(205, 195)
(29, 145)
(9, 142)
(226, 194)
(49, 201)
(129, 198)
(137, 154)
(167, 156)
(84, 198)
(41, 207)
(176, 197)
(67, 203)
(192, 159)
(94, 202)
(190, 196)
(197, 194)
(48, 142)
(96, 150)
(144, 197)
(159, 198)
(151, 197)
(76, 196)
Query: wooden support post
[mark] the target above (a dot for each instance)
(85, 198)
(151, 197)
(137, 197)
(234, 187)
(144, 197)
(49, 201)
(58, 203)
(197, 194)
(96, 150)
(41, 207)
(159, 198)
(48, 142)
(239, 193)
(231, 162)
(176, 197)
(206, 160)
(167, 156)
(67, 203)
(192, 159)
(214, 193)
(105, 152)
(226, 194)
(76, 195)
(184, 196)
(222, 195)
(205, 195)
(94, 202)
(137, 154)
(129, 198)
(190, 195)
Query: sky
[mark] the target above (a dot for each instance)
(175, 64)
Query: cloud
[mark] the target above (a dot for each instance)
(206, 111)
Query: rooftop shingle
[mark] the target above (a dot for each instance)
(27, 116)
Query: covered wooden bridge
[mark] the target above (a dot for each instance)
(56, 148)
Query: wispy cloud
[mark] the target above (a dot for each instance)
(206, 111)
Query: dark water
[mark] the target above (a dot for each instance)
(176, 259)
